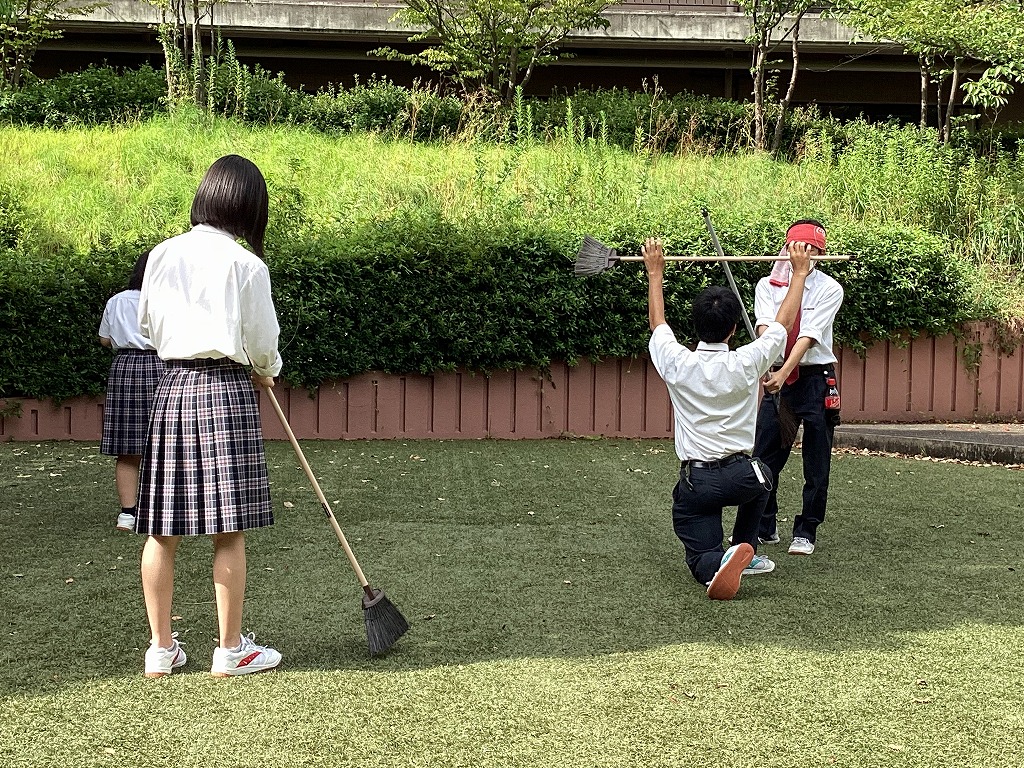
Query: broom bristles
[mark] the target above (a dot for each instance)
(384, 622)
(788, 423)
(594, 257)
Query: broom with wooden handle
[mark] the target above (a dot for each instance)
(384, 622)
(595, 257)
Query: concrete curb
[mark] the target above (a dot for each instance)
(937, 443)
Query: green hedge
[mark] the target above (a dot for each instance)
(50, 313)
(414, 293)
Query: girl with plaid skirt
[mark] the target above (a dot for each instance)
(133, 376)
(206, 307)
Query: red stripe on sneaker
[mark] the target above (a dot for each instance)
(248, 659)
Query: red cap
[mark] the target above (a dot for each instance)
(807, 233)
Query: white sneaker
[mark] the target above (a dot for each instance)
(760, 564)
(801, 546)
(125, 522)
(245, 659)
(160, 661)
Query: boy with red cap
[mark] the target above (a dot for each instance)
(802, 382)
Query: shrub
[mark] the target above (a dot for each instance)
(93, 96)
(420, 112)
(49, 310)
(649, 119)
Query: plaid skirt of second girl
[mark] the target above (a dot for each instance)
(204, 470)
(131, 382)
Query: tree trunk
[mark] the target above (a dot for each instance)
(954, 85)
(925, 73)
(18, 69)
(780, 121)
(760, 65)
(198, 81)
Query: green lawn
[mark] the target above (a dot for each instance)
(553, 620)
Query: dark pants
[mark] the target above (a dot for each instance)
(806, 398)
(697, 512)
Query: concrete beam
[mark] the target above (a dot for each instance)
(373, 23)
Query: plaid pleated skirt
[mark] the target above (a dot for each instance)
(132, 380)
(204, 470)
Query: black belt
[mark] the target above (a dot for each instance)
(717, 463)
(134, 351)
(202, 362)
(816, 367)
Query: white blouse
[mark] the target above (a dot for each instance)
(205, 296)
(120, 322)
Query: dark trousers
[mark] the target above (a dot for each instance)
(697, 512)
(806, 398)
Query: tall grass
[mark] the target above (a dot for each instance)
(901, 175)
(92, 187)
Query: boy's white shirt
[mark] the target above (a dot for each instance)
(818, 309)
(714, 390)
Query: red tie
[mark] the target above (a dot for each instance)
(790, 343)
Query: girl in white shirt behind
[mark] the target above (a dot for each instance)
(132, 380)
(207, 308)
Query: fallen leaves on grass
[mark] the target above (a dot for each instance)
(932, 459)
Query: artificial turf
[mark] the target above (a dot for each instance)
(554, 622)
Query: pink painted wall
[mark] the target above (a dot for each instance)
(926, 380)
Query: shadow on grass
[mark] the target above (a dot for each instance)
(499, 551)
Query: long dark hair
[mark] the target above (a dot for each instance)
(138, 272)
(233, 196)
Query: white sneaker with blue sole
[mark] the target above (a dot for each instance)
(760, 564)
